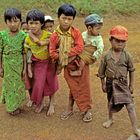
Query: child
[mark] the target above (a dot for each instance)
(45, 81)
(24, 27)
(49, 27)
(113, 72)
(49, 24)
(11, 62)
(68, 40)
(93, 42)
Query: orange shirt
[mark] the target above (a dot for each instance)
(77, 45)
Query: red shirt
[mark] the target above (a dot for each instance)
(75, 50)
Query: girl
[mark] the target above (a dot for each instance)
(45, 81)
(11, 62)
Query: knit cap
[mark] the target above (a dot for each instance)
(93, 19)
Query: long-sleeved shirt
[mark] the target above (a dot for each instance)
(95, 41)
(77, 44)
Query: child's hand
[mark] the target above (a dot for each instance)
(23, 74)
(1, 72)
(131, 89)
(93, 58)
(33, 37)
(71, 58)
(104, 88)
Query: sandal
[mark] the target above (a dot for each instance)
(87, 117)
(66, 114)
(16, 112)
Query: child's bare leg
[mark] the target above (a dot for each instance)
(132, 115)
(109, 122)
(51, 106)
(79, 71)
(30, 74)
(69, 111)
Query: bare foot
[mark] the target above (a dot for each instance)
(39, 108)
(29, 103)
(137, 133)
(107, 124)
(50, 111)
(75, 73)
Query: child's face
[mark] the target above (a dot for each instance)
(95, 30)
(65, 22)
(49, 26)
(25, 27)
(118, 45)
(35, 26)
(13, 24)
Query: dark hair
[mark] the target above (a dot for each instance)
(35, 15)
(23, 22)
(67, 10)
(10, 13)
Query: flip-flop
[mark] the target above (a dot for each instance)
(66, 114)
(87, 117)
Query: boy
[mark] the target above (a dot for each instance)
(113, 72)
(49, 24)
(68, 40)
(93, 42)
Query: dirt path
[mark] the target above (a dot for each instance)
(30, 126)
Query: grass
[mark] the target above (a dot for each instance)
(84, 7)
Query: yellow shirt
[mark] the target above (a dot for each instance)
(39, 52)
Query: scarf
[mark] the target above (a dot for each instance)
(65, 40)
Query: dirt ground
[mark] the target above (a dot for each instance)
(31, 126)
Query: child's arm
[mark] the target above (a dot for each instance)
(78, 44)
(1, 50)
(1, 67)
(53, 50)
(101, 73)
(43, 42)
(131, 70)
(131, 81)
(24, 65)
(39, 42)
(103, 82)
(100, 48)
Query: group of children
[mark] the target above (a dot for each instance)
(37, 53)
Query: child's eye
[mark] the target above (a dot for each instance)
(30, 22)
(36, 23)
(64, 18)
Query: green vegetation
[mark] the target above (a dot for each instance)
(124, 7)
